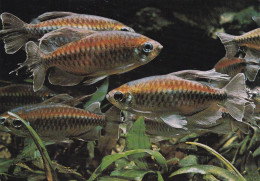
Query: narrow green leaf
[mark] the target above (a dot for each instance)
(159, 175)
(99, 95)
(251, 169)
(131, 174)
(108, 160)
(50, 172)
(256, 152)
(109, 178)
(220, 157)
(208, 169)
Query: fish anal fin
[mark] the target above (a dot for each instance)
(57, 99)
(92, 80)
(174, 120)
(59, 77)
(94, 108)
(57, 38)
(90, 135)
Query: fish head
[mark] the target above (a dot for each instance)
(121, 97)
(13, 125)
(146, 50)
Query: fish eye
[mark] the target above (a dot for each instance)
(118, 96)
(2, 120)
(124, 29)
(17, 123)
(147, 47)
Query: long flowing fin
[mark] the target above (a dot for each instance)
(229, 43)
(34, 64)
(14, 33)
(108, 141)
(60, 77)
(52, 15)
(55, 39)
(236, 97)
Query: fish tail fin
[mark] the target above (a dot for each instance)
(14, 33)
(229, 43)
(236, 96)
(34, 64)
(108, 141)
(253, 64)
(251, 72)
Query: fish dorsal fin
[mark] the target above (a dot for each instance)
(58, 99)
(174, 120)
(197, 74)
(51, 15)
(60, 77)
(94, 108)
(55, 39)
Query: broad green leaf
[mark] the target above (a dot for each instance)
(136, 139)
(108, 160)
(99, 95)
(5, 164)
(208, 169)
(131, 174)
(188, 161)
(159, 175)
(220, 157)
(50, 172)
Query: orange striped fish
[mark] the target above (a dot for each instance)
(17, 95)
(233, 66)
(58, 122)
(168, 98)
(95, 56)
(16, 33)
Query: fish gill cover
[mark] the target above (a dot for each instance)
(129, 90)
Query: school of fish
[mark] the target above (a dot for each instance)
(74, 49)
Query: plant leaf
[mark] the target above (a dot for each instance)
(108, 160)
(220, 157)
(99, 95)
(109, 178)
(131, 174)
(159, 175)
(49, 170)
(251, 169)
(189, 161)
(208, 169)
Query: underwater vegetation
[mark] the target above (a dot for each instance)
(163, 90)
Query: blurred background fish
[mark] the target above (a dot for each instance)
(16, 33)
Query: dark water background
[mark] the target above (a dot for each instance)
(187, 42)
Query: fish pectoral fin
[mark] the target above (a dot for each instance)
(60, 77)
(206, 118)
(90, 135)
(57, 38)
(92, 80)
(175, 121)
(94, 108)
(51, 15)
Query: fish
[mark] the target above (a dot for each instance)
(17, 95)
(96, 56)
(256, 99)
(16, 33)
(58, 122)
(170, 99)
(232, 66)
(250, 40)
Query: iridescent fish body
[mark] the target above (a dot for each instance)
(56, 122)
(94, 56)
(16, 33)
(233, 66)
(17, 95)
(168, 98)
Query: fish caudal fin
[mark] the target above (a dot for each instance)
(253, 64)
(13, 34)
(251, 72)
(34, 64)
(229, 43)
(236, 97)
